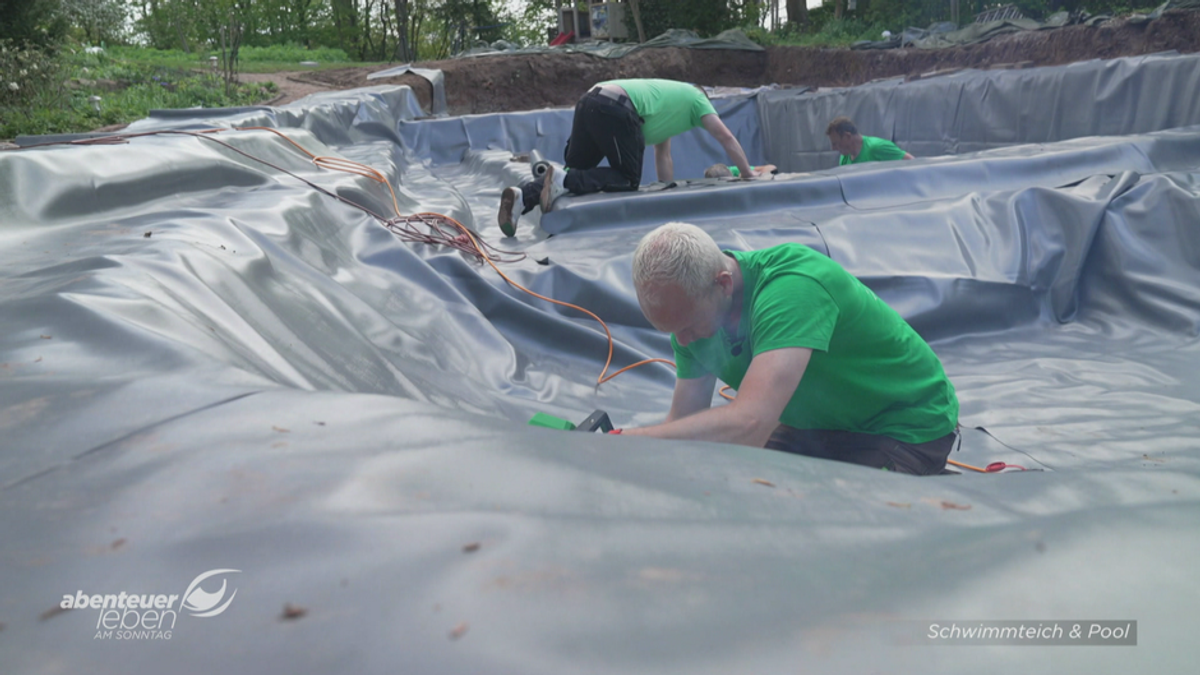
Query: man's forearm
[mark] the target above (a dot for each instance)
(726, 424)
(664, 166)
(738, 156)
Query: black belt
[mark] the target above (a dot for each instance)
(619, 99)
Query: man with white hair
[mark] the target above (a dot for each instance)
(821, 365)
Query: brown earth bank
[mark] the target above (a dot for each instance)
(527, 82)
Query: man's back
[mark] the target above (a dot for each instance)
(667, 107)
(874, 150)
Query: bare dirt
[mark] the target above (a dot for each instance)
(527, 82)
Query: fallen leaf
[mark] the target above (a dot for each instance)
(52, 612)
(1153, 459)
(45, 337)
(899, 505)
(956, 507)
(118, 543)
(280, 429)
(760, 481)
(38, 360)
(459, 631)
(471, 548)
(292, 612)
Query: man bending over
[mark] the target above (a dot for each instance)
(616, 120)
(821, 365)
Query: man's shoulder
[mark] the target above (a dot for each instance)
(770, 264)
(780, 253)
(876, 142)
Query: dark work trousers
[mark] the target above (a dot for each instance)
(881, 452)
(604, 129)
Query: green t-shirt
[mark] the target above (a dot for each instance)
(870, 372)
(874, 150)
(667, 108)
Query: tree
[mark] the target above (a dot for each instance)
(797, 13)
(40, 23)
(98, 20)
(403, 52)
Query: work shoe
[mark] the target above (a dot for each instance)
(509, 212)
(552, 188)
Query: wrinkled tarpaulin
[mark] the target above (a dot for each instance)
(271, 382)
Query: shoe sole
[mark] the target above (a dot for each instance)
(507, 202)
(547, 202)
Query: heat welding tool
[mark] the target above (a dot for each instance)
(597, 421)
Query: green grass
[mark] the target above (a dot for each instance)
(55, 96)
(274, 59)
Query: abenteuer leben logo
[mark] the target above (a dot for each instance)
(152, 616)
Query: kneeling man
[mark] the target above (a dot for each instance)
(821, 365)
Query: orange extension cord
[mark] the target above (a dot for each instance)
(360, 169)
(400, 225)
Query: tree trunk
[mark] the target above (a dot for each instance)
(401, 7)
(797, 12)
(637, 20)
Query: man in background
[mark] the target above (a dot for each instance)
(616, 120)
(856, 148)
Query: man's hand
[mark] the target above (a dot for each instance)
(713, 125)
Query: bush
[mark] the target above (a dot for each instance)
(28, 77)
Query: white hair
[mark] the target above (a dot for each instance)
(680, 254)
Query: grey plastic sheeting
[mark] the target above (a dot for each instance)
(975, 110)
(434, 76)
(271, 382)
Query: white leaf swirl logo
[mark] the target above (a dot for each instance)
(203, 603)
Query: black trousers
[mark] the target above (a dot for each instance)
(604, 129)
(881, 452)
